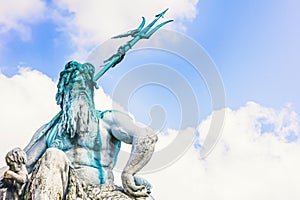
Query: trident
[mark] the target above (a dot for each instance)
(137, 34)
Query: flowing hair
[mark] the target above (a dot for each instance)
(77, 111)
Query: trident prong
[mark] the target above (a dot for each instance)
(137, 34)
(148, 35)
(132, 32)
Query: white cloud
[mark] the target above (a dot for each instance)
(91, 22)
(27, 102)
(88, 23)
(251, 160)
(16, 15)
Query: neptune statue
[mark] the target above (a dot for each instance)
(72, 157)
(86, 140)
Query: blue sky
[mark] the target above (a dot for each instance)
(253, 43)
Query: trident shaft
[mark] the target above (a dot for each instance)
(137, 34)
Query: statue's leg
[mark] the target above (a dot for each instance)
(49, 179)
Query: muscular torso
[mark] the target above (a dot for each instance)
(93, 153)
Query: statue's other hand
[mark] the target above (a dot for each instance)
(141, 181)
(131, 188)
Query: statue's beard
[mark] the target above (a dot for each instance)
(78, 114)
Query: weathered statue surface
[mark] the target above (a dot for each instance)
(85, 140)
(72, 157)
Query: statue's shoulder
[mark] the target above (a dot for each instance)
(114, 117)
(111, 113)
(101, 114)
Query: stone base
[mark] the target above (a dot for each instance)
(105, 192)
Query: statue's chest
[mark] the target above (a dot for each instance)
(90, 140)
(96, 139)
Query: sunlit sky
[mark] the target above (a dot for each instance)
(253, 44)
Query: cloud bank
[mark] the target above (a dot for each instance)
(89, 22)
(18, 15)
(257, 156)
(25, 105)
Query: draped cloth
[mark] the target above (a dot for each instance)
(54, 178)
(49, 179)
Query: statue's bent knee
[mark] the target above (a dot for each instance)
(54, 153)
(50, 176)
